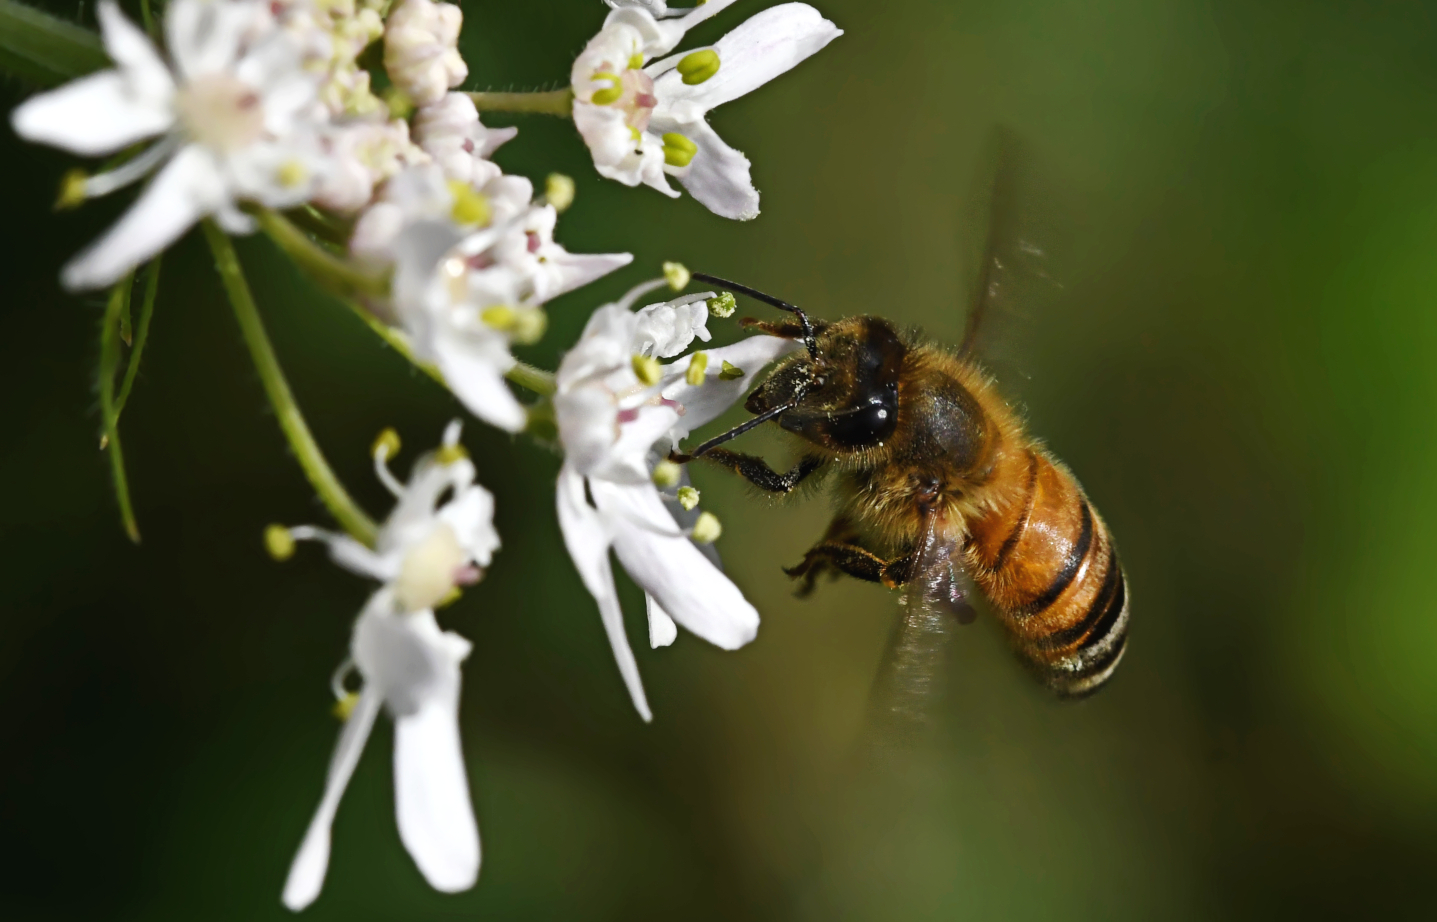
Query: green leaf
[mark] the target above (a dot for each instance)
(44, 50)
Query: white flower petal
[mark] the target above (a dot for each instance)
(769, 44)
(587, 539)
(133, 51)
(187, 189)
(689, 588)
(431, 791)
(477, 378)
(94, 115)
(718, 176)
(306, 873)
(203, 36)
(627, 460)
(575, 270)
(706, 402)
(471, 515)
(662, 630)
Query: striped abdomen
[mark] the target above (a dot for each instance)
(1048, 565)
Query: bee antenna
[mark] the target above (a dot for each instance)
(803, 321)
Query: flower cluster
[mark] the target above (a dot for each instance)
(338, 128)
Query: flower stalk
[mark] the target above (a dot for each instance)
(141, 334)
(109, 362)
(337, 275)
(550, 102)
(306, 451)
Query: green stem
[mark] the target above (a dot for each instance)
(142, 334)
(552, 102)
(45, 50)
(331, 492)
(109, 361)
(147, 18)
(537, 380)
(338, 276)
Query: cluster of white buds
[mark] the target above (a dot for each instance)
(264, 114)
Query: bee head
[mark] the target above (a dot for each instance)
(843, 394)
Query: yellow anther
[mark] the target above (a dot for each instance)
(724, 305)
(648, 370)
(608, 94)
(72, 190)
(453, 595)
(678, 150)
(279, 542)
(636, 61)
(470, 207)
(345, 706)
(448, 454)
(559, 191)
(688, 497)
(699, 66)
(529, 326)
(291, 173)
(677, 275)
(707, 528)
(637, 135)
(666, 474)
(500, 317)
(698, 364)
(388, 442)
(730, 372)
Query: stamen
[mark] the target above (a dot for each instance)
(638, 291)
(559, 191)
(688, 497)
(385, 447)
(730, 372)
(470, 207)
(648, 370)
(678, 150)
(666, 474)
(724, 305)
(279, 542)
(707, 528)
(131, 170)
(675, 273)
(698, 66)
(698, 364)
(336, 681)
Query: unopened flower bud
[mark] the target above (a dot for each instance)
(387, 442)
(559, 191)
(707, 528)
(279, 542)
(730, 372)
(420, 50)
(698, 364)
(648, 370)
(688, 497)
(723, 305)
(666, 474)
(677, 275)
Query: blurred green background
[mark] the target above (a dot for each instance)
(1238, 364)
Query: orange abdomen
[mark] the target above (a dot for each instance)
(1047, 563)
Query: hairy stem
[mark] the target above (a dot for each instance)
(142, 334)
(331, 492)
(537, 380)
(109, 361)
(551, 102)
(337, 275)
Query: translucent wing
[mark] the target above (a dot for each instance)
(911, 681)
(1012, 282)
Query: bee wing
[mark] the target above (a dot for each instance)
(1013, 281)
(911, 680)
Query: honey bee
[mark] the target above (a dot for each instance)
(938, 485)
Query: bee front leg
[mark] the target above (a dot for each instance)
(757, 472)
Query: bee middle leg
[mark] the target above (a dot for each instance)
(852, 559)
(757, 472)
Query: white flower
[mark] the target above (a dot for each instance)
(236, 121)
(451, 133)
(421, 49)
(645, 120)
(363, 155)
(467, 286)
(410, 667)
(610, 423)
